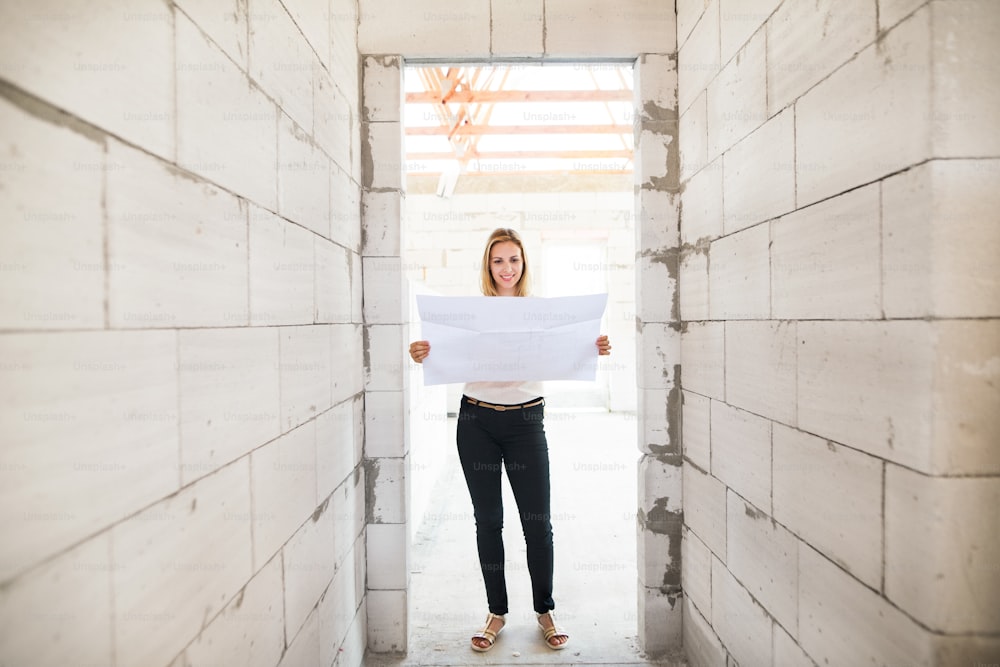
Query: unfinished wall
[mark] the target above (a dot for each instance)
(180, 339)
(840, 292)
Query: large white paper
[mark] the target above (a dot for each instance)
(497, 339)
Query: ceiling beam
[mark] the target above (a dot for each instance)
(527, 155)
(433, 97)
(518, 129)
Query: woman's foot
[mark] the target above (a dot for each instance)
(555, 638)
(484, 640)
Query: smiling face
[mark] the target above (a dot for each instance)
(506, 266)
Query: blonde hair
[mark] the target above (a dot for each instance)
(486, 282)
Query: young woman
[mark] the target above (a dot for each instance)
(501, 423)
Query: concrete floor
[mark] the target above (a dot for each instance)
(593, 470)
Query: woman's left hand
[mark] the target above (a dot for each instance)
(603, 346)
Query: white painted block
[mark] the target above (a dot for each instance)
(688, 13)
(761, 368)
(703, 358)
(825, 259)
(657, 219)
(702, 204)
(868, 385)
(787, 652)
(348, 359)
(110, 64)
(705, 508)
(965, 110)
(807, 41)
(656, 283)
(281, 61)
(653, 159)
(655, 429)
(694, 285)
(228, 29)
(760, 174)
(283, 485)
(385, 417)
(357, 290)
(383, 289)
(336, 120)
(741, 453)
(282, 271)
(841, 622)
(743, 625)
(384, 349)
(383, 147)
(60, 613)
(653, 561)
(305, 374)
(940, 240)
(692, 139)
(303, 178)
(696, 571)
(831, 497)
(737, 98)
(388, 613)
(230, 136)
(249, 631)
(383, 89)
(388, 556)
(229, 396)
(738, 20)
(335, 458)
(865, 98)
(660, 621)
(699, 61)
(660, 346)
(594, 28)
(697, 445)
(52, 266)
(345, 210)
(425, 29)
(356, 642)
(739, 275)
(333, 282)
(345, 67)
(656, 86)
(381, 224)
(182, 561)
(177, 249)
(891, 12)
(313, 19)
(942, 550)
(763, 556)
(702, 647)
(304, 648)
(388, 484)
(84, 415)
(337, 609)
(517, 28)
(309, 566)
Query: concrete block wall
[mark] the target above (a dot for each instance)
(839, 297)
(181, 374)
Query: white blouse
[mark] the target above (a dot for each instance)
(503, 393)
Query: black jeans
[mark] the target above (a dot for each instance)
(514, 439)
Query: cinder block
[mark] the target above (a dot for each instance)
(335, 457)
(111, 65)
(866, 98)
(703, 358)
(425, 29)
(357, 290)
(382, 144)
(825, 259)
(787, 652)
(656, 87)
(939, 240)
(891, 12)
(656, 423)
(942, 550)
(653, 154)
(964, 110)
(383, 289)
(381, 224)
(388, 556)
(337, 609)
(741, 453)
(868, 385)
(761, 368)
(345, 210)
(656, 282)
(699, 61)
(737, 97)
(177, 249)
(694, 285)
(304, 648)
(345, 67)
(356, 641)
(230, 136)
(842, 622)
(743, 625)
(696, 572)
(660, 622)
(52, 266)
(313, 19)
(688, 13)
(702, 204)
(763, 556)
(228, 29)
(388, 621)
(593, 28)
(760, 174)
(831, 497)
(658, 219)
(335, 120)
(805, 42)
(283, 485)
(333, 282)
(383, 89)
(517, 28)
(385, 419)
(249, 631)
(705, 509)
(701, 645)
(697, 445)
(654, 563)
(303, 178)
(229, 396)
(347, 358)
(739, 276)
(384, 347)
(309, 566)
(85, 415)
(282, 271)
(692, 139)
(60, 613)
(281, 62)
(181, 562)
(305, 374)
(660, 346)
(386, 482)
(738, 20)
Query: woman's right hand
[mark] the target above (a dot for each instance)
(419, 350)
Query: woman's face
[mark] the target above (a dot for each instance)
(506, 267)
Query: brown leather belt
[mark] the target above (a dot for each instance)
(504, 408)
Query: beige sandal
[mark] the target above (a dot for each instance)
(487, 634)
(554, 631)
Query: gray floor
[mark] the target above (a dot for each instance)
(593, 471)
